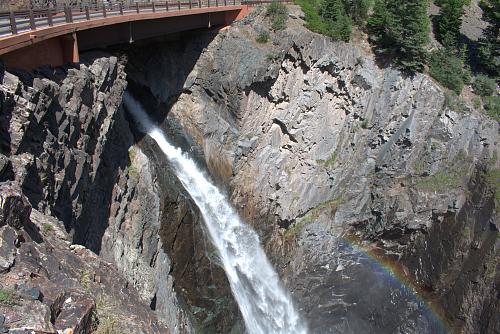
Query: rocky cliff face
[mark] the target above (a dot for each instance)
(62, 149)
(344, 168)
(336, 162)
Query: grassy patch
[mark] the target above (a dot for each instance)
(314, 21)
(132, 153)
(7, 297)
(492, 106)
(131, 169)
(278, 14)
(364, 124)
(263, 37)
(440, 181)
(484, 85)
(450, 178)
(313, 214)
(47, 229)
(275, 9)
(104, 321)
(330, 161)
(278, 23)
(85, 279)
(107, 325)
(454, 102)
(493, 177)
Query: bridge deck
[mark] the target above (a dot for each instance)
(23, 28)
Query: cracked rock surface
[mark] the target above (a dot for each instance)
(344, 167)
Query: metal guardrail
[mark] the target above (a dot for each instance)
(14, 22)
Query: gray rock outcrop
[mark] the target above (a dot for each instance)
(332, 158)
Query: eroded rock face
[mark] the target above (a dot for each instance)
(331, 157)
(64, 140)
(335, 161)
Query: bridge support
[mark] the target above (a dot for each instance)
(54, 51)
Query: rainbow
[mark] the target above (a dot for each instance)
(395, 272)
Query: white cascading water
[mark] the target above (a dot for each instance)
(265, 305)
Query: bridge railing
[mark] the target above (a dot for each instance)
(15, 22)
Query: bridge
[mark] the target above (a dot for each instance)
(56, 35)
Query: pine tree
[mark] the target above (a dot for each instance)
(339, 24)
(358, 10)
(400, 28)
(415, 27)
(450, 21)
(489, 45)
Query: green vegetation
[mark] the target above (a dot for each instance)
(450, 178)
(85, 279)
(400, 30)
(263, 37)
(313, 214)
(440, 182)
(449, 21)
(104, 321)
(331, 160)
(276, 9)
(7, 297)
(453, 102)
(492, 106)
(490, 44)
(477, 103)
(364, 124)
(47, 228)
(279, 23)
(338, 23)
(448, 69)
(334, 18)
(484, 85)
(314, 21)
(278, 14)
(493, 177)
(132, 152)
(131, 169)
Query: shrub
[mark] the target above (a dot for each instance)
(453, 102)
(484, 85)
(263, 37)
(477, 103)
(314, 21)
(339, 23)
(276, 9)
(492, 106)
(448, 69)
(47, 228)
(278, 14)
(364, 124)
(279, 23)
(7, 297)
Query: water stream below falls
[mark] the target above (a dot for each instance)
(265, 305)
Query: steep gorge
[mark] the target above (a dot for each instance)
(338, 164)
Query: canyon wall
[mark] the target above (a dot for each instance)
(64, 141)
(339, 164)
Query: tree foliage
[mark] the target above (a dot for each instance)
(449, 21)
(400, 28)
(447, 67)
(335, 18)
(339, 23)
(489, 45)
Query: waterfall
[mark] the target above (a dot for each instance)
(265, 305)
